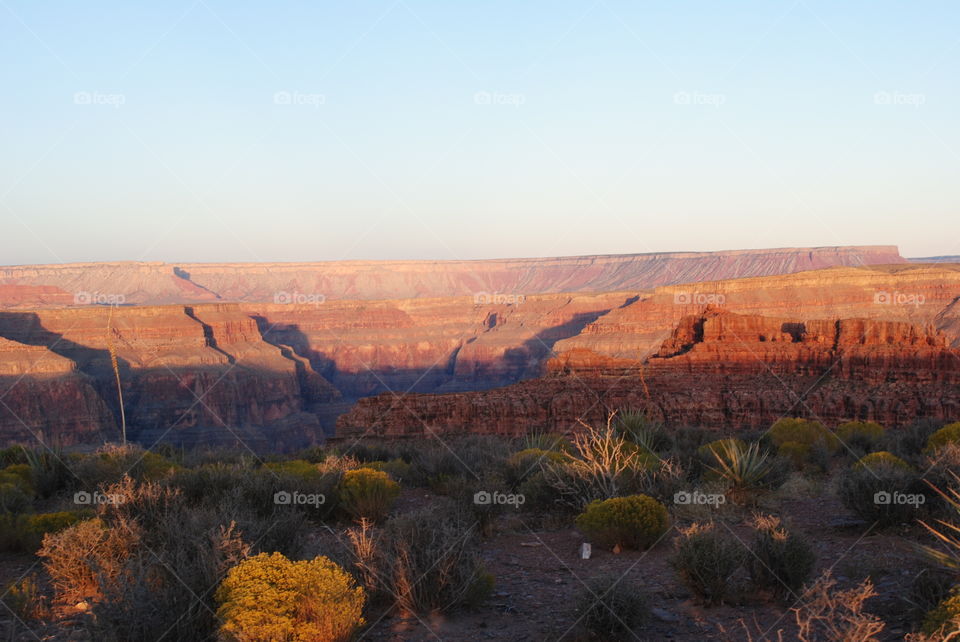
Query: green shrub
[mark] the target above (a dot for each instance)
(268, 597)
(369, 493)
(611, 608)
(949, 434)
(945, 618)
(881, 459)
(804, 431)
(708, 452)
(781, 562)
(546, 441)
(398, 469)
(637, 521)
(296, 467)
(861, 436)
(706, 559)
(798, 454)
(13, 499)
(25, 532)
(871, 493)
(526, 462)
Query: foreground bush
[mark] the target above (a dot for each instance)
(861, 436)
(781, 562)
(425, 560)
(706, 559)
(880, 460)
(883, 493)
(826, 614)
(637, 522)
(268, 597)
(945, 618)
(949, 434)
(611, 608)
(24, 533)
(366, 492)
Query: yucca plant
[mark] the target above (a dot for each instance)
(635, 426)
(744, 468)
(947, 533)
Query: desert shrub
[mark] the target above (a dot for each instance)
(941, 467)
(930, 587)
(48, 471)
(803, 431)
(861, 436)
(21, 472)
(475, 495)
(611, 608)
(295, 467)
(13, 499)
(706, 559)
(604, 465)
(398, 469)
(781, 562)
(878, 493)
(949, 434)
(25, 532)
(540, 495)
(82, 559)
(945, 618)
(882, 459)
(429, 560)
(526, 462)
(745, 470)
(826, 614)
(636, 427)
(23, 598)
(708, 452)
(637, 521)
(268, 597)
(369, 493)
(798, 454)
(112, 463)
(911, 440)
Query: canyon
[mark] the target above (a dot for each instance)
(839, 342)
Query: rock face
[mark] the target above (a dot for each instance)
(715, 369)
(159, 283)
(187, 373)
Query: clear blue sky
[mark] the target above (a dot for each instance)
(211, 130)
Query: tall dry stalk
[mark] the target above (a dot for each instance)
(116, 373)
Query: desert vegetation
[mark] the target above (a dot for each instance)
(803, 531)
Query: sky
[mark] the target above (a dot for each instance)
(207, 130)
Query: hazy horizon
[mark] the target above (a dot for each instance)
(203, 131)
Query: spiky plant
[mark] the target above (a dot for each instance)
(744, 468)
(946, 532)
(635, 426)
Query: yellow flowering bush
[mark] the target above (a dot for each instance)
(880, 460)
(365, 492)
(636, 521)
(804, 431)
(268, 598)
(949, 434)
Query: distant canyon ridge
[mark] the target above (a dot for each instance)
(280, 356)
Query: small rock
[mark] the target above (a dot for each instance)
(585, 551)
(663, 615)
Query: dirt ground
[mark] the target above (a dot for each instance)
(540, 579)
